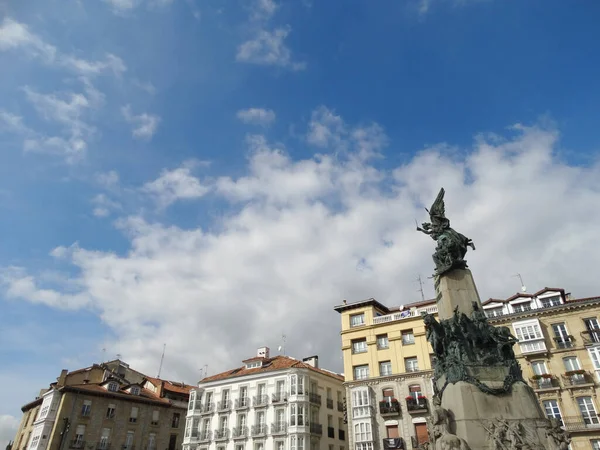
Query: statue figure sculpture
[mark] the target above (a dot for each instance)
(451, 245)
(556, 437)
(444, 439)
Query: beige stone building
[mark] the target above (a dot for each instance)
(106, 406)
(269, 403)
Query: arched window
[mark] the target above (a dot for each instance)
(388, 394)
(414, 391)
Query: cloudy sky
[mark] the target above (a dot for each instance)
(212, 174)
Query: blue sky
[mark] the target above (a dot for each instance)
(168, 163)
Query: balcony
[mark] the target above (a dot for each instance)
(342, 435)
(278, 428)
(393, 443)
(330, 403)
(579, 423)
(314, 398)
(542, 382)
(278, 397)
(242, 403)
(261, 401)
(566, 342)
(340, 406)
(77, 443)
(224, 405)
(205, 436)
(591, 337)
(222, 435)
(240, 433)
(533, 347)
(103, 446)
(389, 407)
(331, 432)
(208, 408)
(416, 406)
(259, 430)
(403, 315)
(128, 447)
(194, 434)
(577, 378)
(316, 428)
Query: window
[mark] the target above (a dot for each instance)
(385, 368)
(133, 415)
(35, 441)
(561, 337)
(595, 444)
(243, 400)
(493, 312)
(362, 432)
(44, 411)
(364, 446)
(257, 446)
(110, 411)
(551, 409)
(86, 409)
(195, 427)
(253, 364)
(241, 421)
(262, 389)
(361, 372)
(113, 387)
(223, 422)
(279, 445)
(79, 434)
(155, 417)
(414, 391)
(208, 399)
(135, 390)
(528, 332)
(297, 414)
(357, 320)
(408, 337)
(411, 364)
(588, 412)
(292, 442)
(382, 342)
(571, 363)
(239, 447)
(297, 385)
(593, 328)
(300, 443)
(595, 357)
(151, 441)
(129, 440)
(104, 439)
(522, 307)
(192, 402)
(539, 367)
(280, 387)
(550, 301)
(359, 346)
(225, 396)
(361, 402)
(175, 420)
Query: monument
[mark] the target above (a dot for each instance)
(481, 400)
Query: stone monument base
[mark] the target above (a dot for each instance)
(457, 289)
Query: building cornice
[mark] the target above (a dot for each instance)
(117, 396)
(406, 376)
(32, 404)
(533, 313)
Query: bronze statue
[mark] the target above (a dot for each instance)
(451, 245)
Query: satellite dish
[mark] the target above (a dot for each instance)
(279, 348)
(524, 288)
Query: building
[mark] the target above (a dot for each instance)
(269, 403)
(105, 406)
(388, 367)
(388, 364)
(559, 352)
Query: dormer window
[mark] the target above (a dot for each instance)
(550, 301)
(135, 390)
(253, 364)
(112, 386)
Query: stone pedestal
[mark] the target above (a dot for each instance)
(455, 288)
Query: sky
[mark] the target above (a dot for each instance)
(212, 175)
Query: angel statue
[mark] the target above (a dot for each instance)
(451, 245)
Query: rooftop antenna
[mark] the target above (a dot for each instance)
(282, 346)
(523, 287)
(205, 370)
(420, 281)
(104, 355)
(161, 360)
(119, 356)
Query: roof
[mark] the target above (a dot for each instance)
(270, 365)
(145, 396)
(359, 304)
(171, 386)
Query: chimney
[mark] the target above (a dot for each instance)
(263, 352)
(62, 378)
(312, 361)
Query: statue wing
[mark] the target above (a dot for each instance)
(438, 209)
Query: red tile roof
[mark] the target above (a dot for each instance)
(270, 365)
(171, 386)
(144, 396)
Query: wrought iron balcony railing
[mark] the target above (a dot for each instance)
(416, 406)
(316, 428)
(577, 378)
(242, 402)
(330, 403)
(224, 405)
(279, 428)
(205, 436)
(591, 337)
(331, 432)
(314, 398)
(578, 423)
(544, 382)
(240, 432)
(389, 407)
(564, 342)
(260, 401)
(393, 444)
(207, 408)
(279, 397)
(77, 443)
(340, 406)
(103, 446)
(222, 434)
(259, 430)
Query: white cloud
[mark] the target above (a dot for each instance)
(304, 234)
(103, 206)
(268, 48)
(8, 428)
(111, 63)
(173, 185)
(14, 35)
(145, 124)
(122, 7)
(263, 9)
(256, 116)
(12, 122)
(108, 179)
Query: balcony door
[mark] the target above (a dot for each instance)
(588, 411)
(592, 325)
(595, 357)
(421, 433)
(279, 418)
(392, 431)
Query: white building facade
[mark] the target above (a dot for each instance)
(275, 403)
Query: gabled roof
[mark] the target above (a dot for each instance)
(270, 365)
(171, 386)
